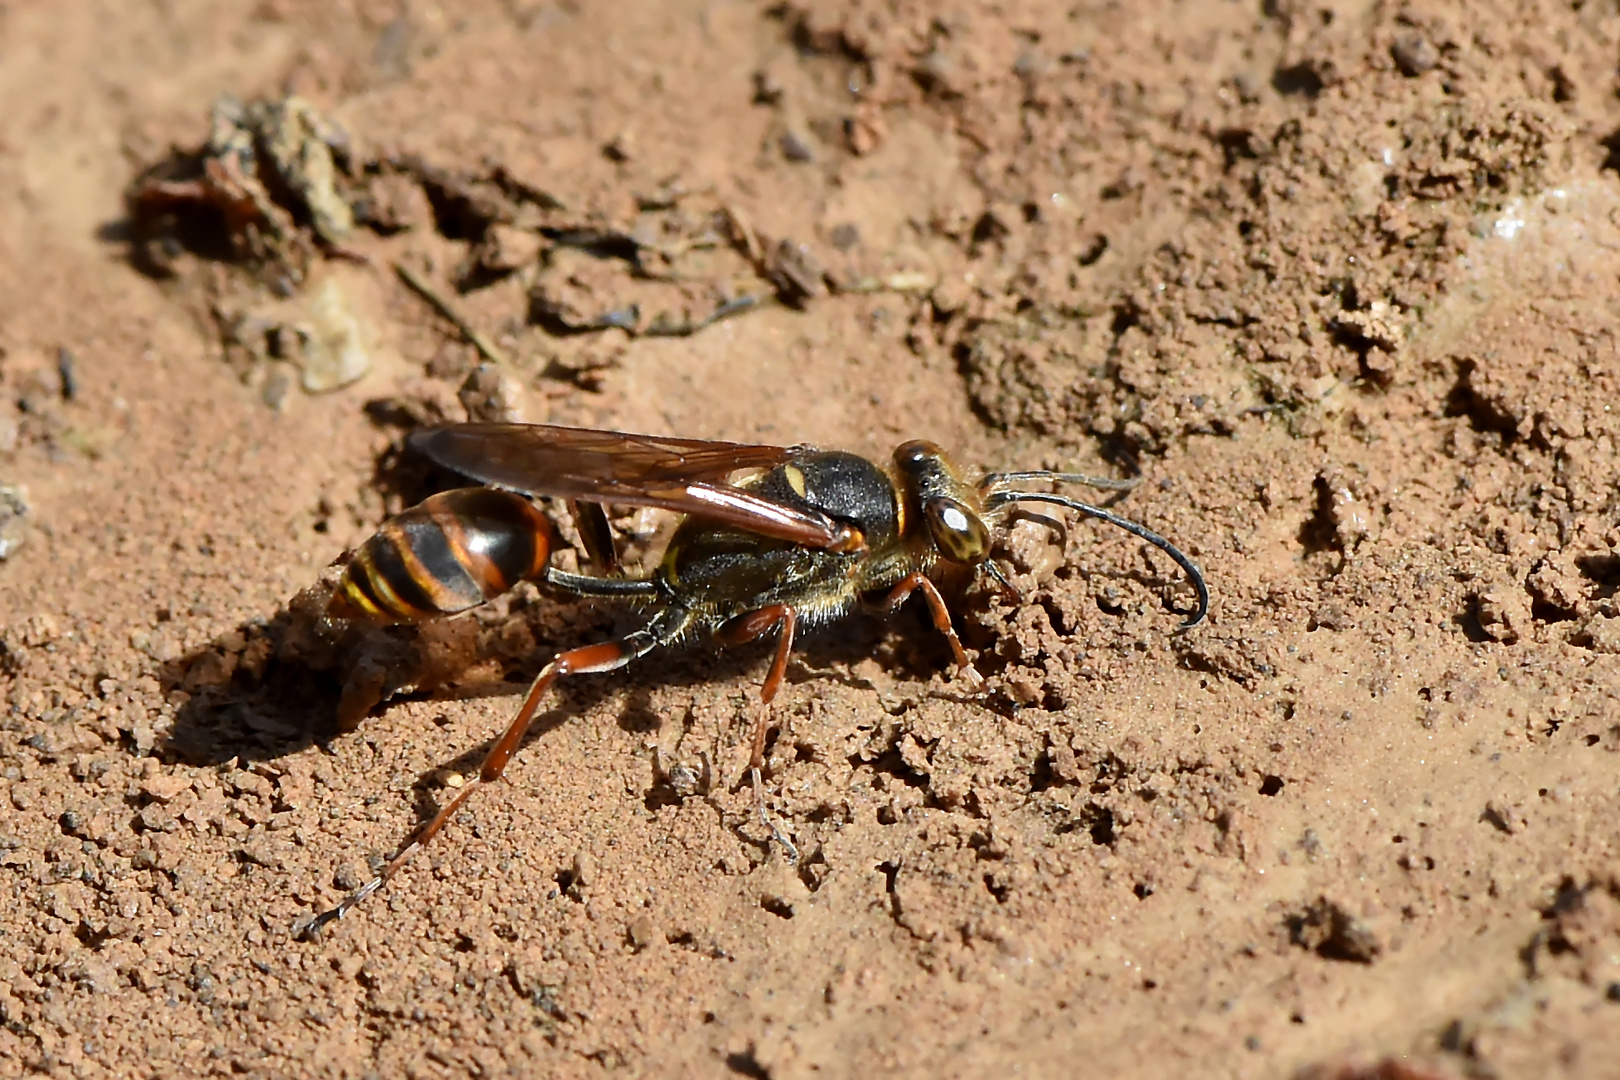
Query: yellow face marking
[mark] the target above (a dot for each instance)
(795, 479)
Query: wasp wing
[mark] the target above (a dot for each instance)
(684, 475)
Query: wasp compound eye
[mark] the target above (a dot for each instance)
(961, 536)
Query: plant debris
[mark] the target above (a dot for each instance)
(272, 177)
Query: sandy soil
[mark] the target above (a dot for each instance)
(1337, 278)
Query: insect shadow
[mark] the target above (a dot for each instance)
(271, 688)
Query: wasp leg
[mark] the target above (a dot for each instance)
(756, 624)
(919, 582)
(789, 848)
(607, 656)
(609, 588)
(596, 535)
(745, 628)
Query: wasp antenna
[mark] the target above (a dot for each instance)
(1059, 529)
(1194, 575)
(999, 483)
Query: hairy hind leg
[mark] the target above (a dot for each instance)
(592, 658)
(783, 619)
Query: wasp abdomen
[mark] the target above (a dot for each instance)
(448, 553)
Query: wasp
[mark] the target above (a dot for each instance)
(771, 540)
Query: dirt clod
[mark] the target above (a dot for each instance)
(1328, 928)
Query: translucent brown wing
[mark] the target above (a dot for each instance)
(684, 475)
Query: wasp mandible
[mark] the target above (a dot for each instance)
(772, 539)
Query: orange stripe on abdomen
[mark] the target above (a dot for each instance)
(448, 553)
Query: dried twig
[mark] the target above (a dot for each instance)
(424, 288)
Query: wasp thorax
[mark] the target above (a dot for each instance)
(957, 531)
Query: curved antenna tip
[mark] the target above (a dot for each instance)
(1188, 567)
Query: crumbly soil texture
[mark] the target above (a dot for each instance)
(1335, 279)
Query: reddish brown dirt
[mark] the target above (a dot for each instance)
(1337, 277)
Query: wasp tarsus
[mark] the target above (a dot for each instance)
(773, 538)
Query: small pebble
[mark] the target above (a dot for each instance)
(796, 147)
(329, 347)
(165, 787)
(1414, 55)
(767, 88)
(13, 519)
(276, 385)
(642, 931)
(67, 367)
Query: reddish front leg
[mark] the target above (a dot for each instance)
(919, 582)
(756, 624)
